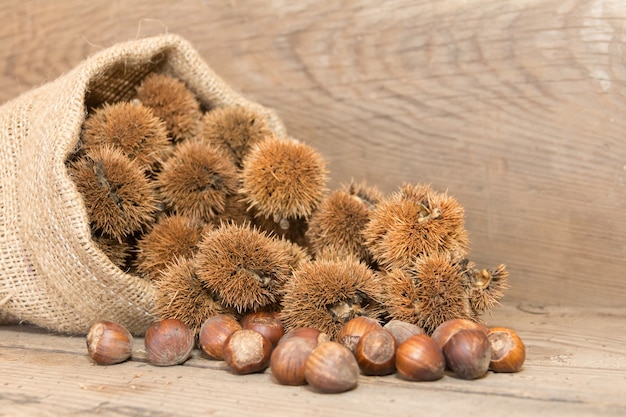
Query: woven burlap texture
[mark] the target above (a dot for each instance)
(51, 273)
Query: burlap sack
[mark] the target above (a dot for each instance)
(51, 273)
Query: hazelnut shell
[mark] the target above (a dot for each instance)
(419, 358)
(247, 351)
(288, 360)
(376, 352)
(168, 342)
(309, 333)
(402, 330)
(331, 368)
(468, 353)
(214, 332)
(445, 330)
(267, 324)
(352, 331)
(508, 352)
(109, 343)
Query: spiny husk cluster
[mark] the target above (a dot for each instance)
(283, 179)
(181, 295)
(196, 181)
(415, 221)
(172, 102)
(325, 294)
(173, 237)
(246, 267)
(338, 223)
(418, 239)
(130, 127)
(234, 130)
(225, 217)
(117, 193)
(437, 288)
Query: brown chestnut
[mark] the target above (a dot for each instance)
(288, 359)
(376, 352)
(352, 331)
(214, 332)
(247, 351)
(402, 330)
(109, 343)
(309, 333)
(265, 323)
(508, 352)
(468, 353)
(168, 342)
(331, 368)
(419, 358)
(445, 330)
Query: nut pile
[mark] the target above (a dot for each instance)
(227, 220)
(305, 355)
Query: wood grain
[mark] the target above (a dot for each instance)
(575, 366)
(515, 107)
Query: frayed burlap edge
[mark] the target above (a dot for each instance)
(51, 273)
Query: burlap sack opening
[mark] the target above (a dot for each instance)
(51, 273)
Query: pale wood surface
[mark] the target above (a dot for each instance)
(515, 107)
(575, 366)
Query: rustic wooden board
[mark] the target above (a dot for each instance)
(575, 366)
(515, 107)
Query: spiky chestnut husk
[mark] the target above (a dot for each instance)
(326, 294)
(117, 251)
(132, 128)
(428, 293)
(335, 253)
(171, 101)
(172, 237)
(413, 222)
(181, 295)
(244, 266)
(340, 219)
(196, 180)
(118, 196)
(283, 179)
(235, 130)
(485, 287)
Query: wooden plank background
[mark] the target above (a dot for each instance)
(515, 107)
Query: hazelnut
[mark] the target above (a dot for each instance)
(258, 314)
(468, 353)
(247, 351)
(402, 330)
(109, 343)
(309, 333)
(331, 368)
(508, 352)
(265, 323)
(419, 358)
(376, 352)
(288, 359)
(445, 330)
(214, 332)
(352, 331)
(168, 342)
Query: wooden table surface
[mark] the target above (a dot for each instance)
(575, 366)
